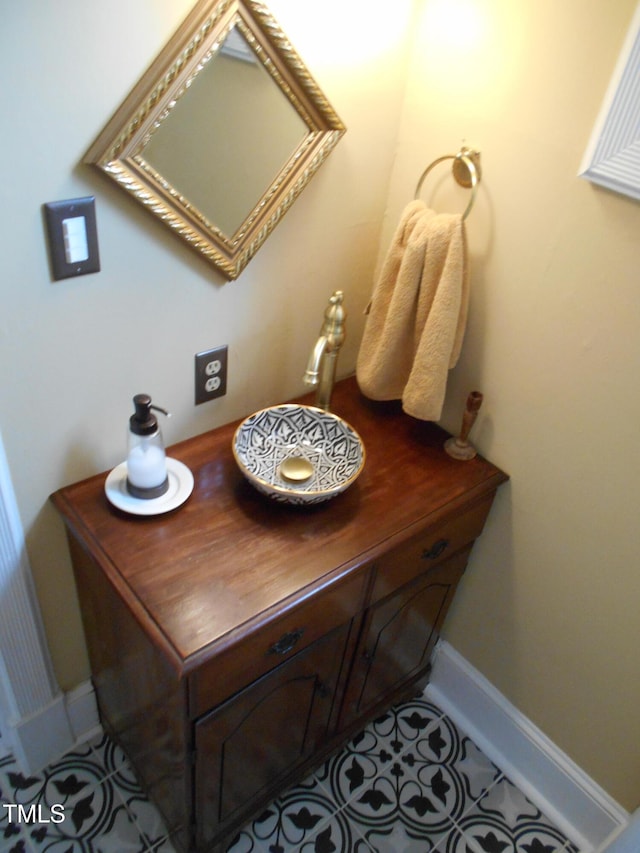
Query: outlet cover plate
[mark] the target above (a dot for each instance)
(211, 374)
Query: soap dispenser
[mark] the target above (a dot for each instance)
(146, 461)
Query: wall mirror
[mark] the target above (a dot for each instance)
(222, 133)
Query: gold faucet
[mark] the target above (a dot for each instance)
(321, 370)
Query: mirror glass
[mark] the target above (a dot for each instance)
(242, 129)
(222, 133)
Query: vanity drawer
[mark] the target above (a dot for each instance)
(248, 659)
(428, 549)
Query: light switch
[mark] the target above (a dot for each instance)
(74, 232)
(73, 237)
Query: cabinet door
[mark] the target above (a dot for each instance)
(245, 746)
(398, 636)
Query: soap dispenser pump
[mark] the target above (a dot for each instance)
(146, 460)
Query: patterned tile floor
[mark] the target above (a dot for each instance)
(410, 783)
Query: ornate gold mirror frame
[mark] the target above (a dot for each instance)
(169, 166)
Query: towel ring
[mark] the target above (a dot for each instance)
(465, 169)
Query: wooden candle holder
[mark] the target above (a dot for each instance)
(460, 448)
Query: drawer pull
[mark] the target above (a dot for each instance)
(286, 642)
(436, 549)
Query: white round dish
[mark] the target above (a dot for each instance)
(180, 487)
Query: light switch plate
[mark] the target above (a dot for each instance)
(55, 214)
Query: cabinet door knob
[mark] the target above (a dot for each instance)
(286, 642)
(436, 549)
(322, 690)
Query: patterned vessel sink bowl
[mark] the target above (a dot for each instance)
(298, 454)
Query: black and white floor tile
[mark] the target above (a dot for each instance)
(410, 783)
(87, 802)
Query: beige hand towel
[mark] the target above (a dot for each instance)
(418, 315)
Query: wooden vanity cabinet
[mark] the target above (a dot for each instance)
(398, 636)
(236, 642)
(256, 738)
(412, 588)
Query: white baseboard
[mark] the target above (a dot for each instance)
(562, 791)
(82, 711)
(69, 719)
(627, 840)
(42, 737)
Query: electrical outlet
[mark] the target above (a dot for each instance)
(211, 374)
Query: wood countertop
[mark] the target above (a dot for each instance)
(231, 559)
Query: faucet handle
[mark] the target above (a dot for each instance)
(334, 315)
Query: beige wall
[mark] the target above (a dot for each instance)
(74, 352)
(548, 608)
